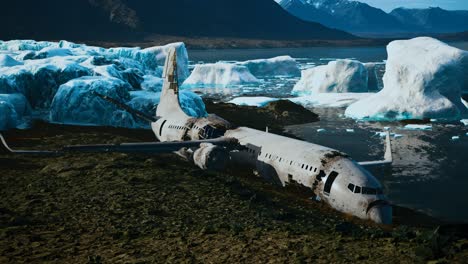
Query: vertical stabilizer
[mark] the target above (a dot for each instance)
(169, 103)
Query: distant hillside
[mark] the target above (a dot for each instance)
(433, 19)
(136, 20)
(360, 18)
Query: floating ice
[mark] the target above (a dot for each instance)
(464, 121)
(397, 136)
(418, 127)
(381, 134)
(424, 79)
(253, 101)
(278, 66)
(454, 138)
(341, 76)
(321, 130)
(386, 128)
(350, 130)
(219, 75)
(329, 99)
(433, 120)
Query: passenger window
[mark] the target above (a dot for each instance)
(358, 189)
(351, 187)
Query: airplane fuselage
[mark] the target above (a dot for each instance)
(331, 175)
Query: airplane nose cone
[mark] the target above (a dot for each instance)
(381, 214)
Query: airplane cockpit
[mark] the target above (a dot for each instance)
(364, 190)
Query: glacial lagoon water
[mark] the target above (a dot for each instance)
(430, 171)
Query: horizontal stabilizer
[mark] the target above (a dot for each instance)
(388, 157)
(145, 147)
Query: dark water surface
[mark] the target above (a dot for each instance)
(430, 172)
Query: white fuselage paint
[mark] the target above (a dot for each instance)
(331, 175)
(284, 160)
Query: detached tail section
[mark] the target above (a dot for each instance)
(169, 104)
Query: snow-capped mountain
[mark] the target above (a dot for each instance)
(360, 18)
(352, 16)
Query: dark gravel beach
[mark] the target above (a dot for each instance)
(114, 208)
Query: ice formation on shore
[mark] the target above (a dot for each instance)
(424, 79)
(37, 70)
(340, 76)
(14, 111)
(74, 103)
(219, 75)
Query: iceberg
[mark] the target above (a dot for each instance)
(75, 104)
(8, 61)
(150, 59)
(8, 118)
(38, 80)
(219, 75)
(152, 83)
(277, 66)
(373, 79)
(340, 76)
(15, 111)
(424, 79)
(253, 101)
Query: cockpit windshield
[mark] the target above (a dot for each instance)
(364, 190)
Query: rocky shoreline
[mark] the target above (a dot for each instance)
(141, 208)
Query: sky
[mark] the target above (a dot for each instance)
(389, 5)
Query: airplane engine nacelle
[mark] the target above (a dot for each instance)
(210, 157)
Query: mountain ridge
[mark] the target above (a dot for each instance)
(360, 18)
(137, 20)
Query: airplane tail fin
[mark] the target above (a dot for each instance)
(169, 104)
(388, 156)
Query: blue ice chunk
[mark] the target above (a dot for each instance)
(418, 127)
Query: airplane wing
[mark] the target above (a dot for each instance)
(388, 157)
(145, 147)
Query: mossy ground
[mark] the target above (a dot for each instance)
(112, 208)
